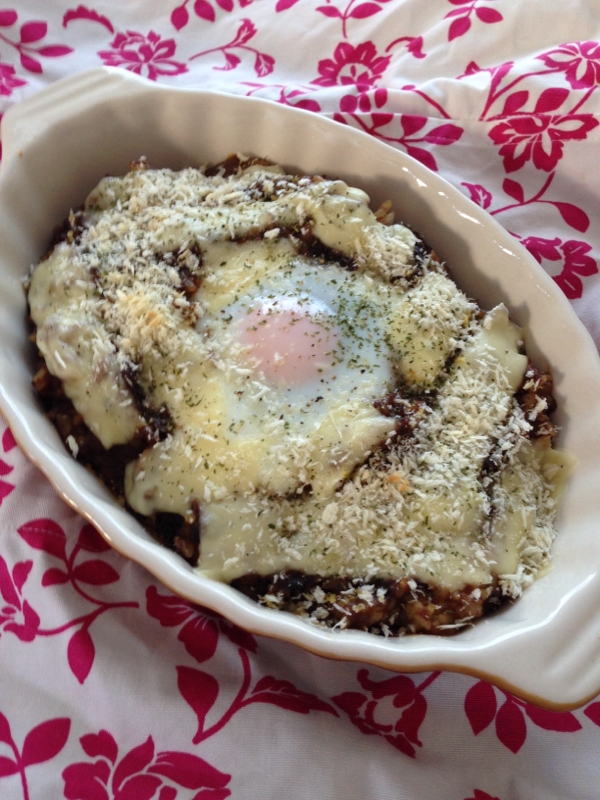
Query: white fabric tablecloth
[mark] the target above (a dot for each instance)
(111, 687)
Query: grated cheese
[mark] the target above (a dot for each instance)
(289, 479)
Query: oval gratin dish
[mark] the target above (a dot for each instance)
(59, 143)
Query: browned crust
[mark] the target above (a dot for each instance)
(385, 607)
(181, 534)
(537, 390)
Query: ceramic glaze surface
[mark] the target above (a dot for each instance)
(545, 646)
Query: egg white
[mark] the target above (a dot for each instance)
(245, 433)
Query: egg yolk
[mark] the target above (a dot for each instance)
(289, 343)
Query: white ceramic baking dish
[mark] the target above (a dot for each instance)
(60, 142)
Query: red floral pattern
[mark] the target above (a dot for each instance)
(28, 45)
(17, 616)
(199, 631)
(405, 130)
(42, 743)
(462, 17)
(510, 131)
(148, 55)
(263, 63)
(360, 65)
(47, 536)
(539, 138)
(479, 795)
(574, 257)
(200, 689)
(362, 709)
(140, 773)
(580, 61)
(8, 443)
(481, 708)
(9, 80)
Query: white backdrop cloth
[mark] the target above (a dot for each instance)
(111, 687)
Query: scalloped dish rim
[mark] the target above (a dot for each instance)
(546, 647)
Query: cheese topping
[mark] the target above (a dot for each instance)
(275, 373)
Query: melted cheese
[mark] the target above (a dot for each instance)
(282, 475)
(78, 350)
(426, 327)
(426, 523)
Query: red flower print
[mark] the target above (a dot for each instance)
(139, 773)
(48, 536)
(5, 487)
(541, 248)
(200, 636)
(364, 710)
(358, 65)
(479, 194)
(481, 708)
(8, 80)
(462, 17)
(41, 744)
(575, 259)
(593, 712)
(16, 616)
(360, 11)
(263, 63)
(200, 631)
(81, 12)
(200, 691)
(580, 61)
(384, 125)
(538, 138)
(144, 55)
(27, 46)
(8, 440)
